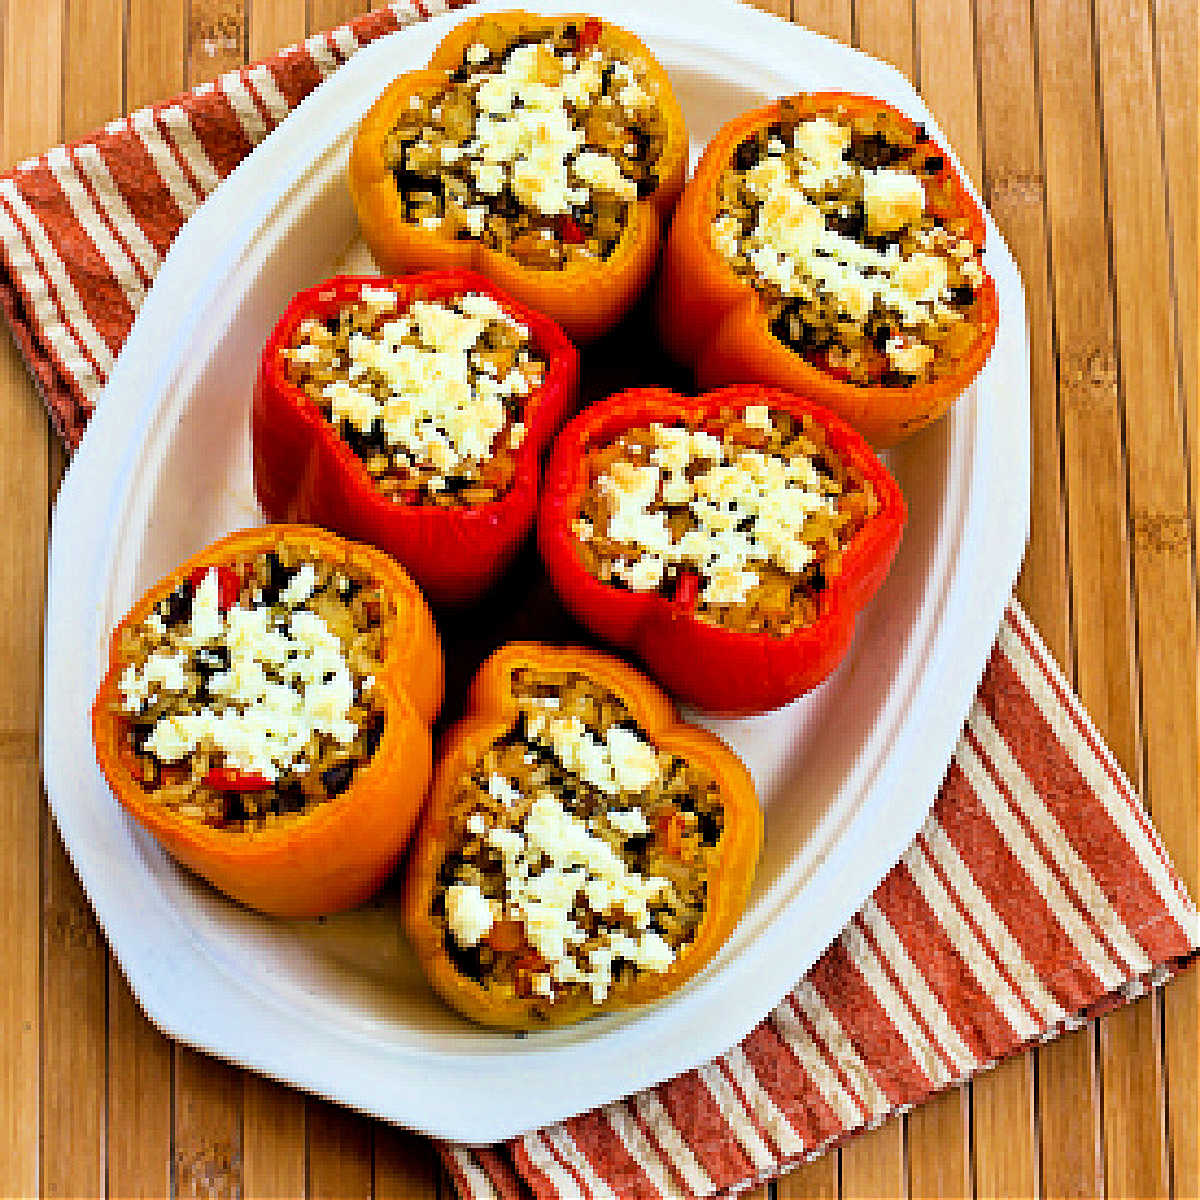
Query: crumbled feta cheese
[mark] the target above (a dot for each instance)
(908, 356)
(281, 687)
(630, 821)
(468, 914)
(551, 863)
(502, 789)
(892, 199)
(300, 586)
(749, 509)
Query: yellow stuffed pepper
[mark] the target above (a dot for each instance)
(582, 849)
(544, 152)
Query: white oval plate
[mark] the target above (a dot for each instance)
(846, 775)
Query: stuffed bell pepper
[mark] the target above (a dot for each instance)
(582, 850)
(728, 540)
(542, 151)
(411, 413)
(266, 716)
(827, 246)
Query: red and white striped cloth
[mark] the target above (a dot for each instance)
(1036, 895)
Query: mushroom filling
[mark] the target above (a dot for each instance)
(431, 399)
(536, 145)
(848, 227)
(578, 854)
(743, 520)
(247, 692)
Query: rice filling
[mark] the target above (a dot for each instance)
(578, 852)
(745, 519)
(537, 144)
(246, 694)
(431, 399)
(838, 222)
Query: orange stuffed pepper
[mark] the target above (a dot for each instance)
(827, 246)
(582, 849)
(266, 716)
(544, 152)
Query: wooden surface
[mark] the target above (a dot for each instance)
(1077, 118)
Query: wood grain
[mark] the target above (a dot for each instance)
(32, 66)
(1079, 121)
(274, 24)
(406, 1167)
(274, 1132)
(339, 1153)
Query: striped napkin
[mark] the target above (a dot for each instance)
(1036, 895)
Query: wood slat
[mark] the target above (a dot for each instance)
(155, 50)
(816, 1180)
(327, 14)
(1136, 1146)
(139, 1099)
(273, 24)
(74, 1002)
(207, 1163)
(339, 1153)
(872, 1163)
(834, 18)
(216, 38)
(406, 1166)
(939, 1145)
(1175, 35)
(885, 29)
(1004, 1144)
(31, 66)
(1072, 1164)
(274, 1131)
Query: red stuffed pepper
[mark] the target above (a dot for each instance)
(729, 540)
(411, 413)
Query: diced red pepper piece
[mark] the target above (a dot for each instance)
(687, 589)
(569, 230)
(589, 35)
(506, 936)
(229, 584)
(230, 779)
(670, 832)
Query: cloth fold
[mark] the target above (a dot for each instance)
(1036, 895)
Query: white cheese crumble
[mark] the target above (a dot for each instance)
(526, 133)
(282, 684)
(629, 821)
(792, 247)
(433, 412)
(748, 507)
(502, 789)
(549, 865)
(621, 763)
(468, 914)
